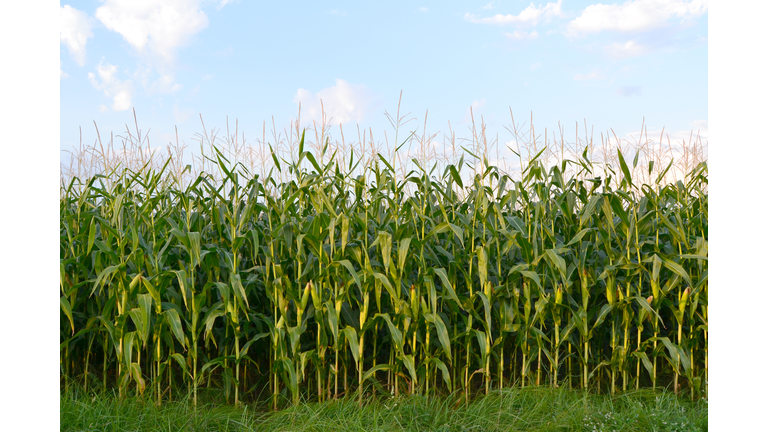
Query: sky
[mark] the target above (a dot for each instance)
(613, 66)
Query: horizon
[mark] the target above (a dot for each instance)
(561, 63)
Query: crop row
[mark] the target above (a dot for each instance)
(334, 283)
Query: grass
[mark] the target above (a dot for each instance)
(513, 409)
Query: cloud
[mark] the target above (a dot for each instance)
(627, 91)
(535, 66)
(223, 3)
(594, 75)
(474, 110)
(489, 6)
(62, 74)
(519, 35)
(181, 115)
(121, 92)
(75, 32)
(529, 15)
(155, 27)
(423, 9)
(343, 102)
(700, 124)
(697, 128)
(626, 49)
(634, 16)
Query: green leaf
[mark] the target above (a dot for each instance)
(372, 371)
(91, 236)
(486, 309)
(344, 232)
(237, 286)
(210, 317)
(274, 157)
(482, 265)
(645, 305)
(456, 176)
(589, 209)
(409, 362)
(103, 275)
(519, 225)
(604, 311)
(481, 336)
(180, 360)
(138, 320)
(444, 370)
(175, 323)
(447, 285)
(646, 363)
(558, 261)
(136, 374)
(675, 267)
(351, 336)
(333, 321)
(397, 336)
(67, 308)
(625, 169)
(383, 279)
(532, 276)
(153, 292)
(578, 236)
(402, 253)
(128, 347)
(442, 333)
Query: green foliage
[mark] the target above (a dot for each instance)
(328, 282)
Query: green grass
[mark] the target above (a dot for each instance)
(513, 409)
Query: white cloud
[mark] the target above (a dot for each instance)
(489, 6)
(529, 15)
(423, 9)
(223, 3)
(181, 115)
(697, 127)
(697, 135)
(634, 16)
(519, 35)
(594, 75)
(342, 103)
(157, 27)
(700, 124)
(62, 74)
(166, 84)
(627, 91)
(474, 110)
(75, 32)
(535, 66)
(121, 92)
(626, 49)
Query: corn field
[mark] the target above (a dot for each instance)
(348, 280)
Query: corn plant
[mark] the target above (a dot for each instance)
(341, 279)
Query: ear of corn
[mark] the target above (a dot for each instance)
(332, 283)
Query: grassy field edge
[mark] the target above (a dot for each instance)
(529, 409)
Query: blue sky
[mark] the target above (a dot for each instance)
(567, 61)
